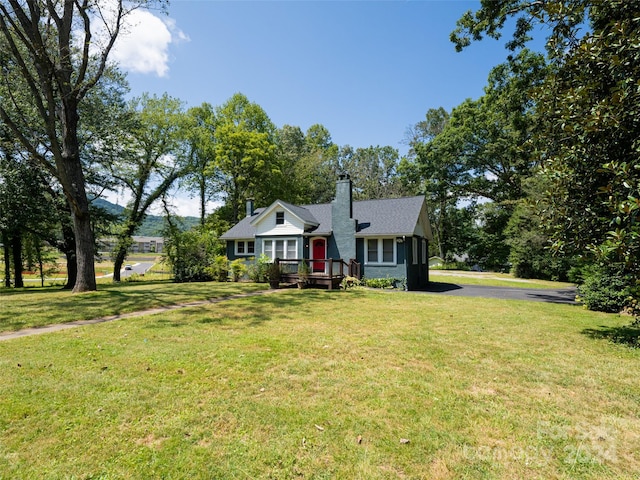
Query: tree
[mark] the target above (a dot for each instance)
(588, 112)
(50, 56)
(291, 150)
(148, 165)
(245, 155)
(478, 152)
(373, 171)
(434, 123)
(308, 163)
(319, 167)
(24, 206)
(200, 131)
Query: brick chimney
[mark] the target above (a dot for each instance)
(250, 208)
(342, 221)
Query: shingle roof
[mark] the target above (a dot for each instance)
(394, 216)
(302, 213)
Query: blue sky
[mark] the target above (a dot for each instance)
(366, 70)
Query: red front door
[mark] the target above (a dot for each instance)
(319, 252)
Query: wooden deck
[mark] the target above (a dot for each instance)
(328, 272)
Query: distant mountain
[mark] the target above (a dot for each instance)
(152, 225)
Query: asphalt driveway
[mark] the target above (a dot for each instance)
(562, 295)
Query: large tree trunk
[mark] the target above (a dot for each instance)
(85, 249)
(7, 260)
(68, 247)
(121, 255)
(72, 269)
(16, 249)
(72, 179)
(125, 241)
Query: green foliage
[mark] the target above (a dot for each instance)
(151, 160)
(530, 254)
(303, 270)
(195, 255)
(586, 130)
(245, 150)
(607, 288)
(238, 268)
(273, 272)
(219, 269)
(380, 282)
(373, 171)
(350, 282)
(489, 248)
(257, 269)
(308, 162)
(200, 130)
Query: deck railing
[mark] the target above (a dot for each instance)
(326, 271)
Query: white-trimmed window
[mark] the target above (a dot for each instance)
(286, 248)
(279, 219)
(245, 247)
(381, 251)
(415, 250)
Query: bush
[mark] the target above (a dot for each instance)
(192, 254)
(380, 282)
(606, 289)
(349, 282)
(238, 269)
(220, 268)
(257, 271)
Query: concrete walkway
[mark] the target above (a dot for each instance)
(151, 311)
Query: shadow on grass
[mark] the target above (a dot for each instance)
(45, 306)
(254, 310)
(628, 335)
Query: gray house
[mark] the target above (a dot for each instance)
(386, 238)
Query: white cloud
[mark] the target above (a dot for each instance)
(143, 47)
(143, 42)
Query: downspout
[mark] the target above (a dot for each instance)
(406, 263)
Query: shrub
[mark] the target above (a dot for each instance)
(192, 254)
(606, 288)
(238, 269)
(220, 268)
(380, 282)
(257, 271)
(349, 282)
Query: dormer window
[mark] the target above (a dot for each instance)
(279, 218)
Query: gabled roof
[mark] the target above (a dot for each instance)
(301, 212)
(394, 216)
(391, 216)
(243, 229)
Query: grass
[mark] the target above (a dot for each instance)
(316, 384)
(104, 270)
(36, 307)
(492, 279)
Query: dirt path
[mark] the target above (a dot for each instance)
(151, 311)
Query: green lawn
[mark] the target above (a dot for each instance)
(35, 307)
(492, 279)
(317, 384)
